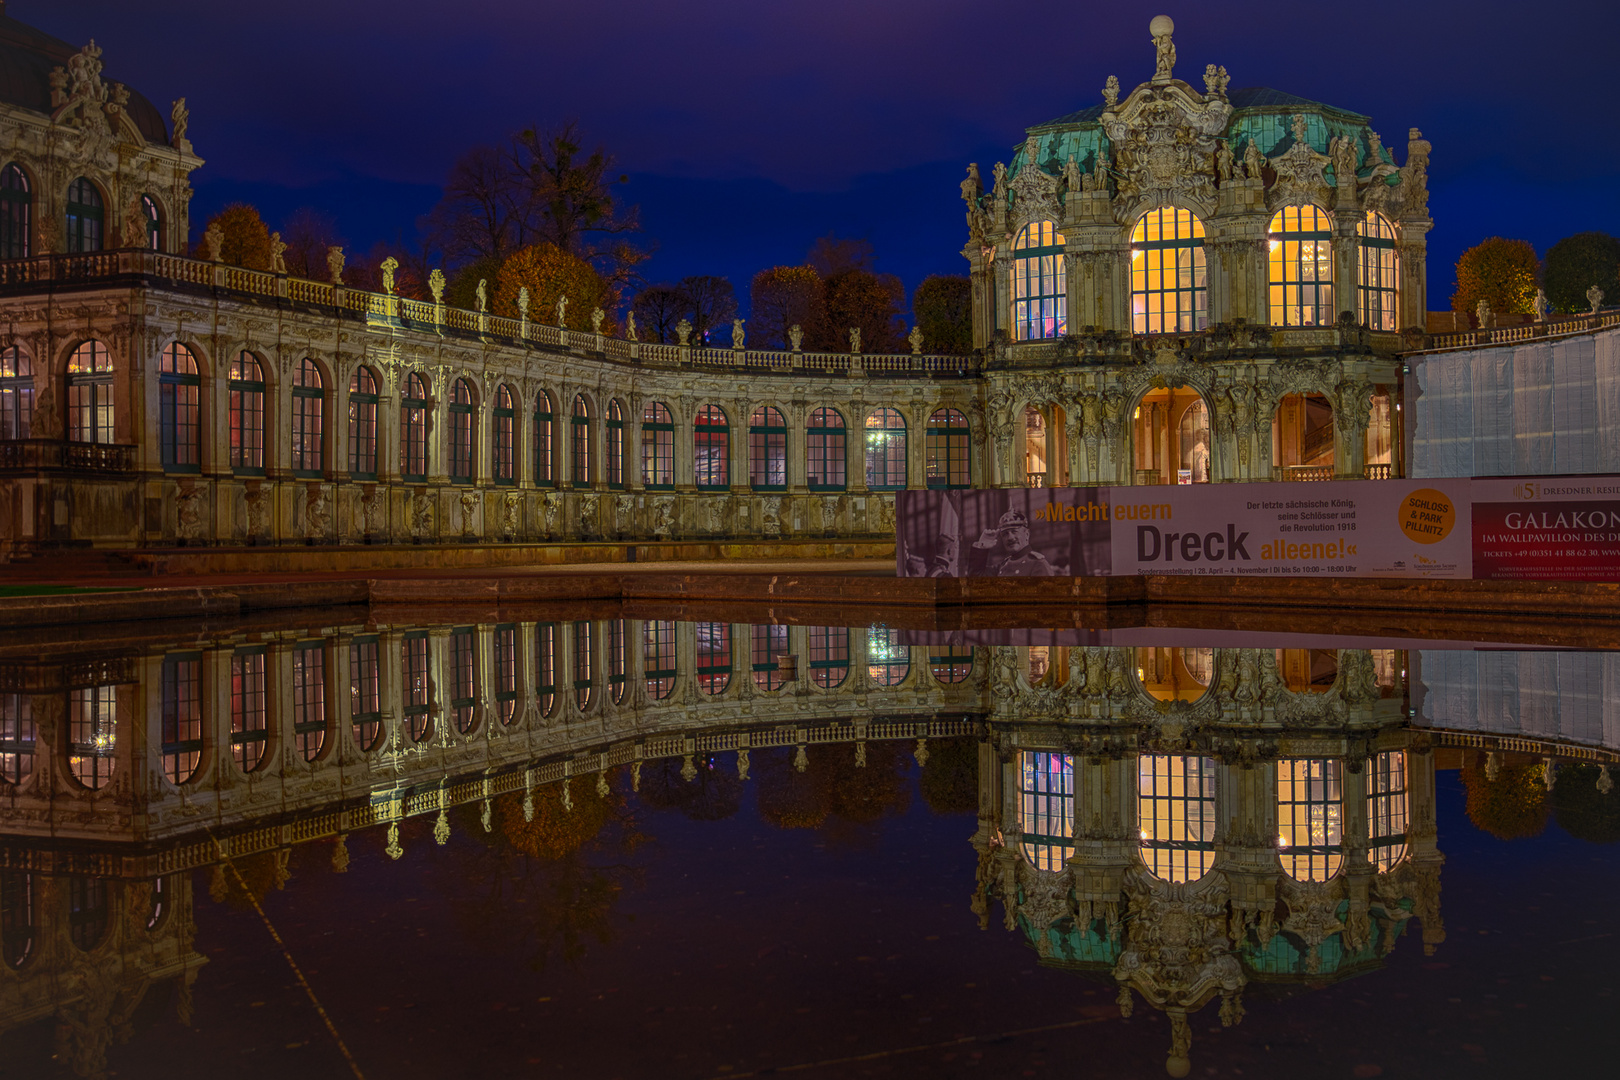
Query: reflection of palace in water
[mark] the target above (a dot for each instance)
(1183, 821)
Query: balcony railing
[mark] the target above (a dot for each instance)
(1302, 472)
(32, 455)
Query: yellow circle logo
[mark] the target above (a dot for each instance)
(1427, 516)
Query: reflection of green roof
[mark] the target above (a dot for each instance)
(1072, 943)
(1285, 956)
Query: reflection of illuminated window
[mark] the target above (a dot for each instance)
(365, 691)
(92, 730)
(951, 663)
(658, 657)
(829, 655)
(16, 917)
(1386, 809)
(1176, 811)
(1386, 672)
(181, 727)
(1034, 447)
(1310, 817)
(713, 656)
(1046, 808)
(584, 665)
(249, 714)
(1169, 275)
(463, 678)
(769, 642)
(415, 684)
(506, 672)
(309, 698)
(616, 660)
(887, 661)
(16, 737)
(1308, 671)
(1040, 662)
(1174, 674)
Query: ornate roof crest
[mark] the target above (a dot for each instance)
(1299, 169)
(1035, 192)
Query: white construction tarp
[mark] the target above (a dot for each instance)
(1562, 696)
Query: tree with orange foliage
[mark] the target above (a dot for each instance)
(784, 297)
(1502, 272)
(1513, 805)
(550, 273)
(247, 238)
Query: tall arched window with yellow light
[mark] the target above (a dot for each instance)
(1040, 283)
(1046, 808)
(1378, 273)
(1301, 278)
(1310, 817)
(1169, 273)
(1176, 815)
(885, 450)
(1386, 809)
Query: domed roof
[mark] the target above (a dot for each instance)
(27, 57)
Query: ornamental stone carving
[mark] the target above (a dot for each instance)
(1301, 172)
(1165, 138)
(1036, 194)
(421, 517)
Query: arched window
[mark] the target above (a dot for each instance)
(16, 394)
(887, 661)
(584, 666)
(945, 449)
(951, 663)
(88, 912)
(1194, 443)
(1035, 448)
(416, 685)
(614, 445)
(769, 642)
(1301, 281)
(545, 666)
(308, 420)
(92, 734)
(829, 655)
(767, 450)
(464, 678)
(825, 447)
(657, 447)
(1302, 432)
(18, 921)
(1169, 275)
(249, 709)
(545, 415)
(181, 723)
(617, 660)
(17, 737)
(658, 657)
(309, 698)
(459, 451)
(579, 441)
(1378, 273)
(363, 425)
(365, 691)
(1040, 283)
(503, 465)
(508, 675)
(90, 394)
(1310, 817)
(711, 449)
(154, 223)
(84, 216)
(16, 214)
(1176, 815)
(1170, 432)
(1386, 809)
(713, 656)
(1168, 674)
(413, 445)
(245, 390)
(1046, 808)
(885, 450)
(179, 437)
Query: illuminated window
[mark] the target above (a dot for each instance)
(1310, 817)
(767, 450)
(1046, 808)
(657, 447)
(363, 425)
(945, 448)
(887, 661)
(84, 216)
(769, 642)
(180, 727)
(658, 657)
(544, 437)
(1378, 273)
(365, 691)
(1169, 276)
(613, 445)
(309, 698)
(885, 450)
(829, 655)
(179, 436)
(249, 711)
(416, 685)
(617, 660)
(16, 214)
(1174, 674)
(464, 678)
(92, 734)
(308, 420)
(502, 463)
(460, 441)
(579, 444)
(1193, 443)
(1176, 813)
(1035, 449)
(1040, 283)
(413, 435)
(545, 666)
(17, 917)
(713, 656)
(951, 663)
(584, 665)
(507, 675)
(153, 240)
(825, 448)
(711, 449)
(17, 736)
(90, 394)
(1301, 282)
(16, 393)
(245, 391)
(1386, 809)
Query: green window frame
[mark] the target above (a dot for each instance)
(769, 641)
(767, 449)
(885, 450)
(18, 737)
(947, 451)
(657, 447)
(90, 394)
(309, 698)
(617, 660)
(363, 424)
(85, 217)
(544, 441)
(829, 655)
(508, 674)
(1388, 812)
(181, 720)
(245, 414)
(250, 711)
(1176, 815)
(16, 393)
(951, 664)
(1046, 808)
(308, 421)
(584, 669)
(545, 666)
(16, 214)
(713, 653)
(1378, 273)
(613, 448)
(365, 691)
(887, 661)
(1040, 282)
(1300, 276)
(826, 451)
(413, 431)
(460, 437)
(1310, 817)
(416, 684)
(579, 442)
(659, 665)
(179, 422)
(711, 449)
(463, 646)
(502, 463)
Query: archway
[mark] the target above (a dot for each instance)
(1170, 430)
(1302, 438)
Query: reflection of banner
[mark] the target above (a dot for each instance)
(1543, 527)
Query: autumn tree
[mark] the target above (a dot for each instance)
(246, 237)
(712, 306)
(461, 290)
(833, 254)
(784, 297)
(1511, 805)
(943, 309)
(860, 299)
(1583, 808)
(713, 795)
(658, 310)
(1578, 262)
(550, 273)
(1502, 272)
(307, 234)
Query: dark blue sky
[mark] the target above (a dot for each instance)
(749, 129)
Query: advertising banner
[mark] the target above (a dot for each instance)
(1533, 528)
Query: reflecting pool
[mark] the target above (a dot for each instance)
(601, 842)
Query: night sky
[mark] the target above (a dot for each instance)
(749, 129)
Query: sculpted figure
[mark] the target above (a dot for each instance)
(916, 340)
(1111, 91)
(597, 315)
(134, 225)
(1344, 158)
(389, 265)
(1072, 180)
(1540, 305)
(1482, 313)
(562, 311)
(180, 117)
(683, 331)
(796, 336)
(1164, 49)
(1594, 296)
(855, 338)
(436, 285)
(1223, 160)
(630, 327)
(483, 294)
(214, 238)
(972, 188)
(736, 333)
(278, 254)
(523, 302)
(1000, 193)
(1253, 163)
(334, 264)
